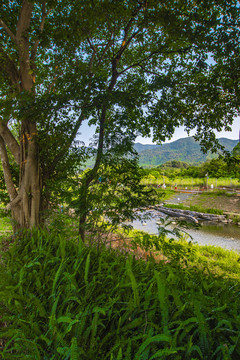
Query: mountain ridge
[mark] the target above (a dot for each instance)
(184, 149)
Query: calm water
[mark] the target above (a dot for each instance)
(226, 236)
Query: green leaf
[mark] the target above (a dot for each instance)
(87, 266)
(162, 338)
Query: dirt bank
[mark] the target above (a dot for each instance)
(227, 203)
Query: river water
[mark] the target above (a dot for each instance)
(225, 236)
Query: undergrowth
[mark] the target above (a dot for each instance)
(61, 299)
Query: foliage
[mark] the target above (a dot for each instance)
(175, 164)
(63, 300)
(115, 193)
(228, 167)
(215, 168)
(236, 150)
(130, 65)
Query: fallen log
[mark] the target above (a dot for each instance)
(173, 213)
(192, 216)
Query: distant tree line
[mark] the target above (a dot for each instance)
(220, 167)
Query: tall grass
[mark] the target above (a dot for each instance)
(61, 299)
(190, 182)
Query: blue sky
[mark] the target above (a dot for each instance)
(87, 132)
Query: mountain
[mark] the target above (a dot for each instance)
(185, 149)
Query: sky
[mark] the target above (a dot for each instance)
(87, 132)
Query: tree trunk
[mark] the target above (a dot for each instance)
(26, 206)
(30, 176)
(25, 201)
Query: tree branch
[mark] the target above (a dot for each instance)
(16, 200)
(10, 69)
(127, 28)
(24, 20)
(23, 44)
(8, 31)
(12, 192)
(108, 45)
(10, 141)
(41, 27)
(139, 63)
(93, 47)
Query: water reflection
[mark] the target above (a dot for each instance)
(225, 236)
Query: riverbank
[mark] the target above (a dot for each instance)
(222, 200)
(221, 231)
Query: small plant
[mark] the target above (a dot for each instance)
(236, 219)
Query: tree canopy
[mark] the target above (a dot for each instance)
(129, 67)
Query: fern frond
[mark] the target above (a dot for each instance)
(133, 282)
(161, 294)
(87, 266)
(74, 349)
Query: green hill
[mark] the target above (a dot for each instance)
(185, 149)
(236, 150)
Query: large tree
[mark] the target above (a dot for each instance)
(126, 66)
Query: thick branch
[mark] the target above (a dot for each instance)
(10, 141)
(24, 19)
(93, 47)
(41, 27)
(10, 70)
(6, 171)
(126, 41)
(8, 31)
(23, 44)
(16, 200)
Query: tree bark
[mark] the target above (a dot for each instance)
(30, 177)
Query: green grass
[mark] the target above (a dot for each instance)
(61, 299)
(5, 223)
(194, 208)
(219, 193)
